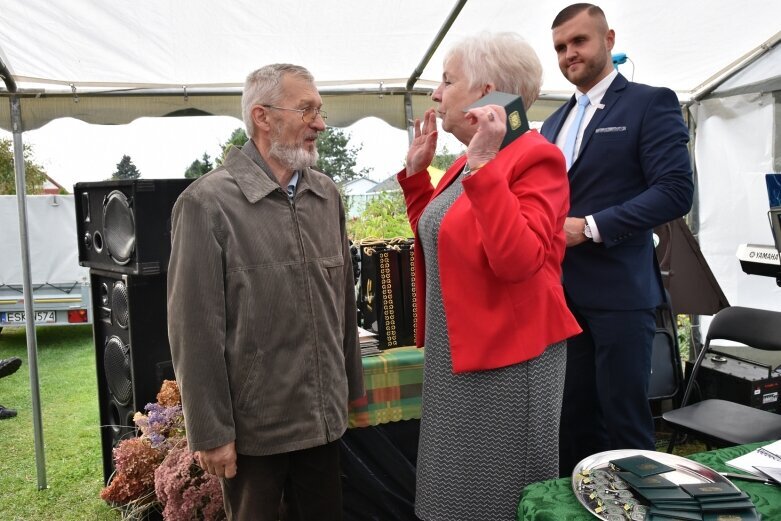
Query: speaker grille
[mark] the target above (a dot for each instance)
(116, 363)
(120, 308)
(124, 226)
(119, 227)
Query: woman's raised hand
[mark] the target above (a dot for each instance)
(491, 121)
(424, 145)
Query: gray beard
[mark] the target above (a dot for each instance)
(292, 156)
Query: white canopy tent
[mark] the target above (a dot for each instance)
(738, 141)
(112, 62)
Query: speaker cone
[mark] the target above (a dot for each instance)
(116, 363)
(119, 227)
(120, 309)
(103, 294)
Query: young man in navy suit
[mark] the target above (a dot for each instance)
(629, 169)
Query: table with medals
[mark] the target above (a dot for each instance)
(379, 453)
(555, 500)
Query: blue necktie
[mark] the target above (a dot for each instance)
(572, 136)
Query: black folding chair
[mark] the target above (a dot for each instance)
(666, 382)
(723, 423)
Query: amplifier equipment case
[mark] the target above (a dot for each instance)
(738, 380)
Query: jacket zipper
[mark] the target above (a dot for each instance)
(307, 283)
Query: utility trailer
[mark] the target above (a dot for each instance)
(60, 286)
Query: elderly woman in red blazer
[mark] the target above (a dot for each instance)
(489, 244)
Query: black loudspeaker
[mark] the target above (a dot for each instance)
(132, 354)
(125, 226)
(386, 300)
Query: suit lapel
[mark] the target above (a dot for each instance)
(609, 100)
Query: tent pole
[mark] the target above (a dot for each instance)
(693, 221)
(432, 48)
(32, 341)
(408, 116)
(714, 82)
(435, 44)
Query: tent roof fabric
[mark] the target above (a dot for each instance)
(762, 75)
(111, 62)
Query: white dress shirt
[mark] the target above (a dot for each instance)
(595, 96)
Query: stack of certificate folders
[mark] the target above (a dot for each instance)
(368, 342)
(634, 488)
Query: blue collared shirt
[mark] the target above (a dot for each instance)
(291, 185)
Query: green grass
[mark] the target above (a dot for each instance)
(71, 435)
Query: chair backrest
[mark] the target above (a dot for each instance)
(665, 367)
(757, 328)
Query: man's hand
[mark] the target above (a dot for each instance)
(424, 145)
(220, 461)
(573, 230)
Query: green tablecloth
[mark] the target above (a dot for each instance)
(394, 382)
(554, 500)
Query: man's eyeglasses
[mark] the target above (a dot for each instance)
(308, 115)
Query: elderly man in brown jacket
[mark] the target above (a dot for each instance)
(261, 310)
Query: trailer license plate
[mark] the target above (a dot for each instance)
(17, 317)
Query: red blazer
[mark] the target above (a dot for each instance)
(500, 250)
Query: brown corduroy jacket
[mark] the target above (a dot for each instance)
(261, 310)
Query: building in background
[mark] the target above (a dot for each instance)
(52, 187)
(356, 194)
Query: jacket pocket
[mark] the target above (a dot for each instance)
(611, 133)
(333, 267)
(252, 385)
(328, 292)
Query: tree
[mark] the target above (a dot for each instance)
(237, 139)
(199, 167)
(34, 175)
(337, 159)
(385, 216)
(444, 159)
(126, 169)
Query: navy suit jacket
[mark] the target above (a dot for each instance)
(633, 172)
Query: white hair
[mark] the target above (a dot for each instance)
(264, 86)
(504, 59)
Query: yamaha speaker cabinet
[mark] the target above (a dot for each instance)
(125, 226)
(132, 354)
(386, 300)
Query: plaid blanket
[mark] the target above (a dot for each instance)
(393, 381)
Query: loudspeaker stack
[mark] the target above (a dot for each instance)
(124, 236)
